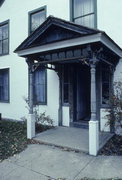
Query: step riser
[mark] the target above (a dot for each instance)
(79, 125)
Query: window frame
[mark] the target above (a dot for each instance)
(43, 8)
(8, 70)
(72, 13)
(7, 22)
(34, 100)
(107, 105)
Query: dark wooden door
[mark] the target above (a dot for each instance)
(82, 93)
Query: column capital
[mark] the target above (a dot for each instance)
(93, 62)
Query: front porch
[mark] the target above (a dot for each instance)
(70, 138)
(91, 57)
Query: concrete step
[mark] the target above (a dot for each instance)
(81, 124)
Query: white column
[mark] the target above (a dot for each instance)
(93, 123)
(31, 116)
(31, 126)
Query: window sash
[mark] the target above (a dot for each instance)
(84, 12)
(4, 85)
(87, 20)
(4, 39)
(36, 18)
(40, 84)
(83, 7)
(105, 83)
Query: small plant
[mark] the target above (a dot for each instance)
(115, 112)
(42, 118)
(43, 121)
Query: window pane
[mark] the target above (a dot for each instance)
(1, 87)
(83, 7)
(37, 19)
(0, 47)
(40, 86)
(0, 33)
(105, 86)
(86, 20)
(4, 85)
(5, 31)
(5, 46)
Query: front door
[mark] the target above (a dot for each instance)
(81, 93)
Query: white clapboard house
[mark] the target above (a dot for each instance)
(64, 56)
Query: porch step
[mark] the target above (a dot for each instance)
(82, 124)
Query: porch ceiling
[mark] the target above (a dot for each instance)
(56, 35)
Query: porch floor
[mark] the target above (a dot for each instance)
(70, 138)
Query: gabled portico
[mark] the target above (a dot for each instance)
(82, 52)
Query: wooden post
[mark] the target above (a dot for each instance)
(59, 73)
(30, 92)
(31, 115)
(93, 91)
(60, 96)
(93, 123)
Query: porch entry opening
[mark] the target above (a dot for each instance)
(76, 91)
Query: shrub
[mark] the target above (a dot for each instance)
(115, 112)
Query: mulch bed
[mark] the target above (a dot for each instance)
(13, 137)
(113, 146)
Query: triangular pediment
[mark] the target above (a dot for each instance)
(54, 33)
(53, 30)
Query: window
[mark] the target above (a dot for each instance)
(4, 85)
(105, 85)
(4, 38)
(84, 12)
(40, 86)
(36, 18)
(65, 85)
(1, 2)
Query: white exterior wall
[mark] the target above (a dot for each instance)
(17, 13)
(109, 14)
(108, 19)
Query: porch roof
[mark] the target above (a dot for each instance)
(1, 2)
(56, 34)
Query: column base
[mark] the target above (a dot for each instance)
(93, 137)
(31, 126)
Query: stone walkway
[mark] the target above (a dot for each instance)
(43, 162)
